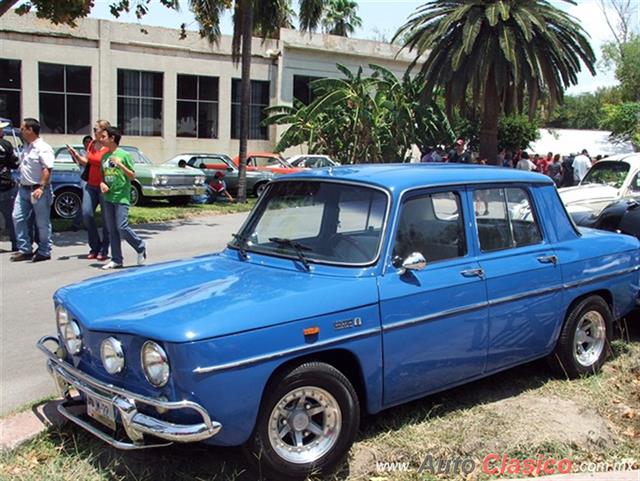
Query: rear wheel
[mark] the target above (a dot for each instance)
(583, 344)
(67, 203)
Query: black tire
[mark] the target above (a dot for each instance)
(136, 195)
(67, 202)
(316, 378)
(566, 359)
(258, 189)
(180, 200)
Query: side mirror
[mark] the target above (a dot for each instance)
(413, 262)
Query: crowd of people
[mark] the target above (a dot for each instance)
(565, 171)
(107, 171)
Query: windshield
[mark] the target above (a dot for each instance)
(328, 222)
(266, 162)
(138, 156)
(607, 172)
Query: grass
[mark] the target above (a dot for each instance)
(522, 413)
(161, 211)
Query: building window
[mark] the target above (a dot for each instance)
(65, 98)
(197, 112)
(259, 100)
(301, 89)
(10, 85)
(140, 102)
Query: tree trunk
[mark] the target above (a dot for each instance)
(489, 123)
(5, 5)
(245, 96)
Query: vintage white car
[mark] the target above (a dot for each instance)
(609, 180)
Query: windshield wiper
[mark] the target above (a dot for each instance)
(299, 248)
(241, 242)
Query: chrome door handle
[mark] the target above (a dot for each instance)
(473, 273)
(548, 260)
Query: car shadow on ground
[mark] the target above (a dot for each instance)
(199, 461)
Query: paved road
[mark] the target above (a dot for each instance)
(26, 309)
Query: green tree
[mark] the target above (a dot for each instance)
(623, 120)
(503, 52)
(582, 111)
(341, 17)
(625, 59)
(516, 132)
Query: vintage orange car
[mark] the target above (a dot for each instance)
(267, 161)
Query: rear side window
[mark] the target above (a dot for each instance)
(505, 219)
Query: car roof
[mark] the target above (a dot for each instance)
(400, 177)
(632, 158)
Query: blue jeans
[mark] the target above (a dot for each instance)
(7, 199)
(41, 210)
(91, 198)
(116, 217)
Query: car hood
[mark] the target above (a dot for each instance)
(165, 170)
(210, 296)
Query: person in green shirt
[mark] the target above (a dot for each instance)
(117, 173)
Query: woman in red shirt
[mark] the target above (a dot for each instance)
(91, 194)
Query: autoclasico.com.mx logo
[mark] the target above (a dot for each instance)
(500, 465)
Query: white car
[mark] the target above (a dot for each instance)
(310, 161)
(608, 180)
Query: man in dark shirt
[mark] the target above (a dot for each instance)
(459, 154)
(8, 163)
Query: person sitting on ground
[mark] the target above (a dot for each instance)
(217, 187)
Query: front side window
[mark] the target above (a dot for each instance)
(433, 226)
(140, 102)
(325, 222)
(197, 107)
(257, 161)
(10, 89)
(259, 100)
(505, 219)
(65, 98)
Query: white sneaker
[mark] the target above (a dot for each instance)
(111, 265)
(142, 256)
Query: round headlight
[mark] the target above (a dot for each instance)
(72, 337)
(112, 355)
(62, 319)
(155, 364)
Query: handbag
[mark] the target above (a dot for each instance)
(85, 173)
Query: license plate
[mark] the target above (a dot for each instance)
(101, 411)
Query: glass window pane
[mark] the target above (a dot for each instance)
(10, 74)
(260, 92)
(151, 121)
(10, 106)
(423, 228)
(208, 88)
(235, 90)
(187, 87)
(129, 115)
(151, 84)
(494, 232)
(51, 77)
(235, 121)
(523, 223)
(78, 114)
(186, 119)
(78, 79)
(128, 82)
(52, 113)
(208, 120)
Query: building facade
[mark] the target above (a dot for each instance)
(169, 95)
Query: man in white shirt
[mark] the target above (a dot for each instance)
(525, 164)
(581, 164)
(34, 194)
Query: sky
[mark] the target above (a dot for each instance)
(383, 17)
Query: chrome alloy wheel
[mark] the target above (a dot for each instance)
(590, 338)
(304, 425)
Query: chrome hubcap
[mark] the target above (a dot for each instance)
(67, 205)
(304, 425)
(590, 338)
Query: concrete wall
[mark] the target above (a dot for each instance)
(107, 46)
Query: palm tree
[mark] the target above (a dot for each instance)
(249, 16)
(501, 53)
(341, 18)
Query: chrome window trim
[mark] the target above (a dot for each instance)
(383, 230)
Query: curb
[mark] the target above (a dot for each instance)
(24, 426)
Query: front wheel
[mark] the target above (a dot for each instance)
(307, 423)
(258, 189)
(583, 344)
(67, 203)
(136, 195)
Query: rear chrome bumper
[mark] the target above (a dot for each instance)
(135, 424)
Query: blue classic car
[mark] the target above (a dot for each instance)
(347, 290)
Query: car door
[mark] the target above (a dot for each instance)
(435, 320)
(524, 282)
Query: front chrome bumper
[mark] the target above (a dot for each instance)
(135, 424)
(169, 190)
